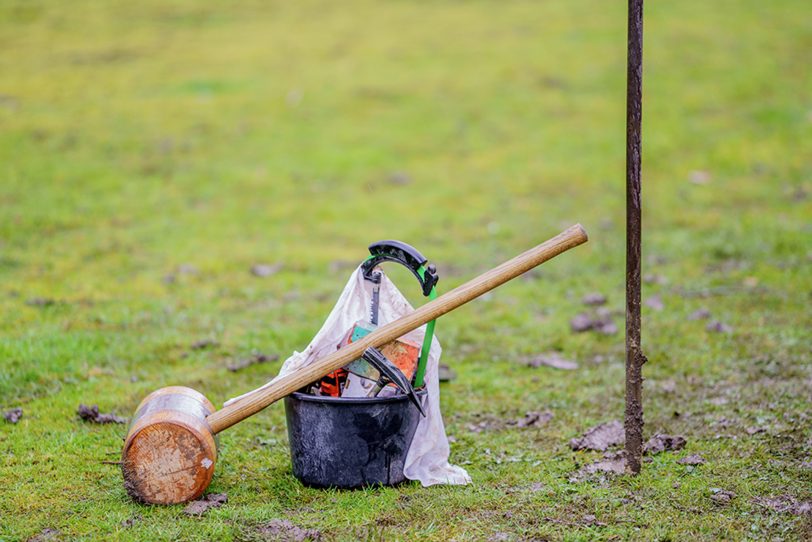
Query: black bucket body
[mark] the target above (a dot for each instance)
(350, 442)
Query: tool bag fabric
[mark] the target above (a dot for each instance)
(427, 460)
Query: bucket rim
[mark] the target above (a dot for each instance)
(299, 396)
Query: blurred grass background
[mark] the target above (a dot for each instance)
(151, 153)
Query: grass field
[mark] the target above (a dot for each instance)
(152, 152)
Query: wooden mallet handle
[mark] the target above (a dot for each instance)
(259, 399)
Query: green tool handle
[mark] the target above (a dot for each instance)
(420, 375)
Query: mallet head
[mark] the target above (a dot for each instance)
(170, 451)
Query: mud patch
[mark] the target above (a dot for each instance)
(653, 278)
(668, 386)
(285, 531)
(718, 327)
(590, 520)
(46, 535)
(551, 359)
(655, 302)
(601, 437)
(692, 460)
(204, 344)
(594, 299)
(13, 415)
(664, 443)
(127, 523)
(612, 463)
(785, 504)
(533, 419)
(254, 359)
(600, 322)
(700, 314)
(399, 178)
(201, 506)
(721, 496)
(263, 270)
(535, 487)
(486, 422)
(446, 374)
(91, 414)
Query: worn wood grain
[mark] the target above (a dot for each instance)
(170, 451)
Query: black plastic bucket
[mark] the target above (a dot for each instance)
(350, 442)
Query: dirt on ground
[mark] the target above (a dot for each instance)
(283, 530)
(611, 463)
(551, 359)
(692, 460)
(254, 359)
(594, 299)
(202, 505)
(664, 443)
(263, 270)
(599, 321)
(785, 504)
(600, 438)
(13, 415)
(91, 414)
(204, 344)
(46, 535)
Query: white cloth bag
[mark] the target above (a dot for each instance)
(427, 460)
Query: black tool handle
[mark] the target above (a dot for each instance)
(391, 373)
(404, 254)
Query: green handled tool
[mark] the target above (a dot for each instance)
(414, 261)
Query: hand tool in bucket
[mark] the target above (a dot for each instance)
(426, 274)
(400, 360)
(387, 372)
(170, 452)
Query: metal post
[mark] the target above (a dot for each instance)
(634, 354)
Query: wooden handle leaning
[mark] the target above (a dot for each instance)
(262, 397)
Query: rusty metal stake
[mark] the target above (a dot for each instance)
(634, 353)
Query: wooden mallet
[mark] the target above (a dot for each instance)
(170, 449)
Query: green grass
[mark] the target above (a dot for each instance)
(136, 137)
